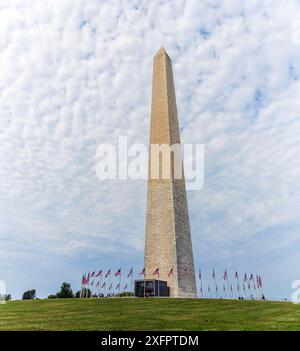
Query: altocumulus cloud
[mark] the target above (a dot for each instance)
(75, 74)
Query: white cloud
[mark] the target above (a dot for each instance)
(78, 73)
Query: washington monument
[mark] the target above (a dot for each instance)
(168, 245)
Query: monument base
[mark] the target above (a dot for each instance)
(151, 288)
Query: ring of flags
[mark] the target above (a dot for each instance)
(251, 287)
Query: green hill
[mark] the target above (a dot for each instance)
(148, 314)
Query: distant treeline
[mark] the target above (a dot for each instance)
(65, 292)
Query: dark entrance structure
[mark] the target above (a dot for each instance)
(151, 288)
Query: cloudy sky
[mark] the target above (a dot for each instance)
(75, 74)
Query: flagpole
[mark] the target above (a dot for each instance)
(131, 283)
(92, 286)
(261, 286)
(120, 284)
(201, 287)
(227, 280)
(244, 287)
(249, 289)
(238, 282)
(158, 281)
(110, 283)
(252, 291)
(186, 283)
(101, 284)
(87, 292)
(258, 288)
(81, 288)
(143, 273)
(88, 280)
(214, 278)
(171, 273)
(254, 286)
(231, 290)
(202, 291)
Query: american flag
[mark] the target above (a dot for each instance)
(185, 272)
(125, 287)
(118, 272)
(214, 275)
(245, 277)
(236, 276)
(85, 280)
(118, 285)
(225, 275)
(130, 273)
(110, 286)
(97, 285)
(170, 273)
(107, 274)
(156, 272)
(142, 272)
(103, 285)
(93, 274)
(200, 276)
(99, 274)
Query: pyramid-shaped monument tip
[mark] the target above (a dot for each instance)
(161, 51)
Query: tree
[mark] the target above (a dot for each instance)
(7, 297)
(77, 294)
(65, 291)
(52, 297)
(29, 295)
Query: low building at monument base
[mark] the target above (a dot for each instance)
(151, 288)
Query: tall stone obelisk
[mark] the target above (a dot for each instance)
(168, 244)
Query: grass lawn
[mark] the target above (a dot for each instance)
(148, 314)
